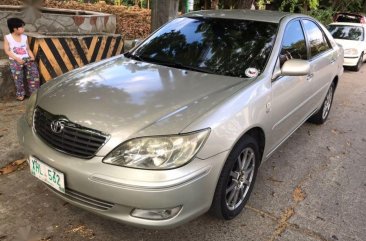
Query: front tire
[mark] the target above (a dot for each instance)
(359, 63)
(321, 116)
(236, 179)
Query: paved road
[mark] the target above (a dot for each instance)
(312, 189)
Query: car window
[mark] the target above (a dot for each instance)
(229, 47)
(347, 32)
(317, 39)
(293, 43)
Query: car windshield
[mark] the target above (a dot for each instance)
(219, 46)
(347, 32)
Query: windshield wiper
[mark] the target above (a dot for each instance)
(187, 67)
(166, 63)
(180, 66)
(133, 56)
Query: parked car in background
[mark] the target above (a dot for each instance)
(352, 37)
(180, 124)
(349, 17)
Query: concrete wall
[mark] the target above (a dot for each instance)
(48, 20)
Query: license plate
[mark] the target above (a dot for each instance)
(47, 174)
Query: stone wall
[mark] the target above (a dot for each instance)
(48, 20)
(7, 87)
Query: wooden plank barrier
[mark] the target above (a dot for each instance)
(56, 55)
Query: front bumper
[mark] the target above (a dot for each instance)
(113, 191)
(350, 61)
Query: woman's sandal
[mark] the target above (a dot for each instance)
(20, 98)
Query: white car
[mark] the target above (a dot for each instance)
(353, 40)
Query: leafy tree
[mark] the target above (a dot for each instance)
(237, 4)
(299, 5)
(347, 5)
(223, 4)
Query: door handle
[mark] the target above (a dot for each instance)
(332, 61)
(310, 76)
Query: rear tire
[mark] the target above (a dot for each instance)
(321, 116)
(236, 179)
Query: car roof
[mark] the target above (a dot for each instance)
(352, 14)
(349, 24)
(256, 15)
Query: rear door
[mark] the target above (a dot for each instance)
(322, 60)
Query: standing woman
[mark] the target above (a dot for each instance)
(21, 58)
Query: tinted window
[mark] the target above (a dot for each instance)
(346, 32)
(293, 43)
(219, 46)
(318, 42)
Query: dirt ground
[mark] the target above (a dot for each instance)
(312, 189)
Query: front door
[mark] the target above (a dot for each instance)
(290, 104)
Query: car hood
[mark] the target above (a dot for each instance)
(126, 98)
(347, 44)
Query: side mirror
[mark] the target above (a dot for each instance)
(293, 67)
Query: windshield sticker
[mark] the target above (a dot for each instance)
(251, 72)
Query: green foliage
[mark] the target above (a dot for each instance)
(325, 16)
(313, 4)
(299, 5)
(128, 2)
(348, 5)
(142, 3)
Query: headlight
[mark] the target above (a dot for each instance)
(351, 51)
(29, 109)
(161, 152)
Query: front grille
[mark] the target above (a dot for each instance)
(72, 139)
(84, 199)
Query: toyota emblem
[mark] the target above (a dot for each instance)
(57, 126)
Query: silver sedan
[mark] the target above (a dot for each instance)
(180, 124)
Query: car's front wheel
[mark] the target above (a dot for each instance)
(359, 63)
(237, 179)
(321, 116)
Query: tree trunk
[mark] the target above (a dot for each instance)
(305, 7)
(184, 6)
(215, 4)
(207, 4)
(163, 11)
(244, 4)
(227, 4)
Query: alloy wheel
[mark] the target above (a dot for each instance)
(240, 179)
(328, 102)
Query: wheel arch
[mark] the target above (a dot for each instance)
(258, 134)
